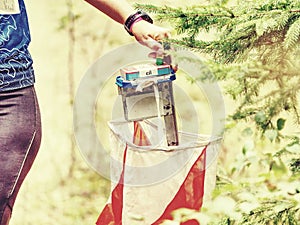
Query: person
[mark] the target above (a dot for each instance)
(20, 123)
(137, 23)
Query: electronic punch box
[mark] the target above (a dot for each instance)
(147, 92)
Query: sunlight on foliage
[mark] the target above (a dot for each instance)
(253, 51)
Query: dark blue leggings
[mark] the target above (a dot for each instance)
(20, 137)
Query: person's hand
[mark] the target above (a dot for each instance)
(149, 34)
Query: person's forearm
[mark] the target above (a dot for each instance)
(144, 31)
(118, 10)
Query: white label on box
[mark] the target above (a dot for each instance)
(142, 69)
(147, 70)
(9, 7)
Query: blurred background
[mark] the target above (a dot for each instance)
(61, 188)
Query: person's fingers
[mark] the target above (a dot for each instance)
(150, 34)
(163, 34)
(152, 55)
(155, 46)
(153, 41)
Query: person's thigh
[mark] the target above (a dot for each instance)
(20, 134)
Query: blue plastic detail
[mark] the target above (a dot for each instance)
(121, 83)
(132, 76)
(173, 77)
(128, 84)
(163, 71)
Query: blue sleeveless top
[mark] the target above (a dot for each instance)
(15, 61)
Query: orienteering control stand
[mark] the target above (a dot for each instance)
(147, 92)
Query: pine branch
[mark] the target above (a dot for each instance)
(273, 212)
(293, 34)
(266, 32)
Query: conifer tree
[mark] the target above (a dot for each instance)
(255, 51)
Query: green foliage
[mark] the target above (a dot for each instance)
(295, 166)
(261, 199)
(253, 50)
(259, 44)
(272, 212)
(240, 29)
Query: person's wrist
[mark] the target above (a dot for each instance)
(138, 20)
(134, 18)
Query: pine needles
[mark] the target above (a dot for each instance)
(254, 50)
(259, 41)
